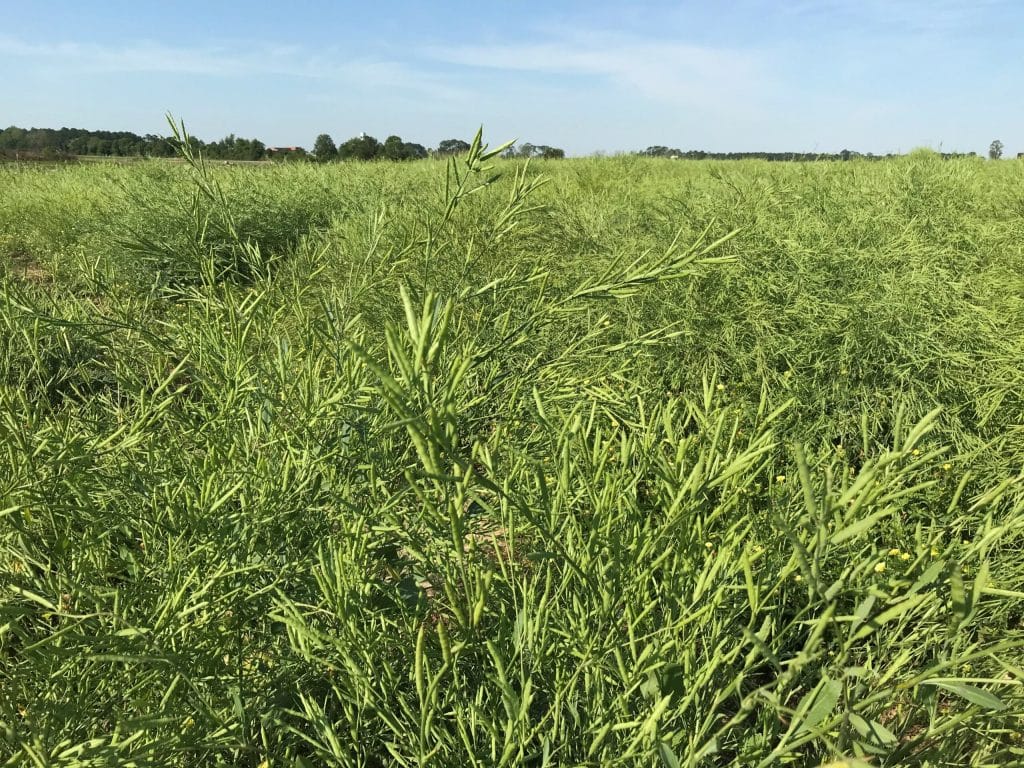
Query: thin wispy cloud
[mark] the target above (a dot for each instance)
(667, 71)
(896, 18)
(156, 57)
(248, 60)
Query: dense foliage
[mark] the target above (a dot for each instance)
(597, 462)
(50, 144)
(78, 141)
(784, 157)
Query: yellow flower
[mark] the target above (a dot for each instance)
(709, 545)
(947, 466)
(905, 556)
(894, 552)
(798, 577)
(720, 387)
(880, 567)
(935, 551)
(780, 479)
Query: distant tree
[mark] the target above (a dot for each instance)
(125, 147)
(160, 146)
(659, 151)
(395, 148)
(415, 151)
(509, 152)
(79, 145)
(528, 150)
(995, 150)
(252, 149)
(78, 141)
(98, 146)
(324, 148)
(220, 150)
(41, 138)
(452, 147)
(157, 146)
(233, 148)
(360, 147)
(13, 138)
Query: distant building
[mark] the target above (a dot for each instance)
(285, 153)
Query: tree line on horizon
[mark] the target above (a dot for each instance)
(365, 147)
(791, 157)
(50, 143)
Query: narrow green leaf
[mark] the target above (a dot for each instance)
(971, 693)
(819, 703)
(889, 615)
(876, 733)
(667, 755)
(861, 526)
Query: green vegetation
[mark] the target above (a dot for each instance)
(48, 144)
(782, 157)
(593, 462)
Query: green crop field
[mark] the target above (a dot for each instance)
(603, 462)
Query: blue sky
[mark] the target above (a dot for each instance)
(870, 75)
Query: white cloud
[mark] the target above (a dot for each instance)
(668, 71)
(153, 57)
(933, 18)
(248, 60)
